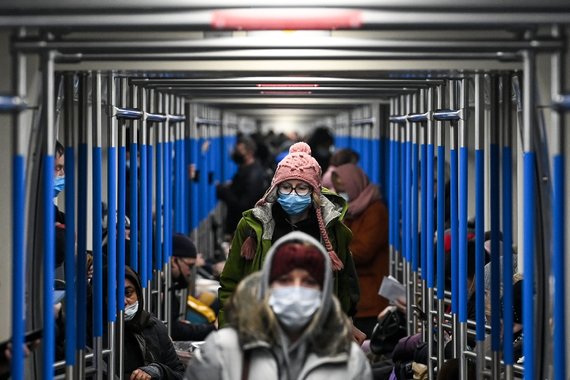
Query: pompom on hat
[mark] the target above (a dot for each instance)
(300, 165)
(297, 165)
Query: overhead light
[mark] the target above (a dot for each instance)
(289, 93)
(287, 85)
(286, 19)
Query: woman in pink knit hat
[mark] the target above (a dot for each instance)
(295, 201)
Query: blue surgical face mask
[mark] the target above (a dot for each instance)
(58, 185)
(131, 310)
(294, 204)
(294, 306)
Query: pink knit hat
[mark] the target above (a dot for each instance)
(300, 165)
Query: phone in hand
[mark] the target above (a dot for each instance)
(29, 339)
(33, 335)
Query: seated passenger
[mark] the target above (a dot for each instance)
(284, 323)
(183, 259)
(149, 353)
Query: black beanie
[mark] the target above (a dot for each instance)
(182, 246)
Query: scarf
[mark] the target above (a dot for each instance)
(361, 192)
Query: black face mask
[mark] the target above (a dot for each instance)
(237, 157)
(180, 282)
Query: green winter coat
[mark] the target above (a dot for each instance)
(259, 224)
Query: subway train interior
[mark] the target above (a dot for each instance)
(457, 110)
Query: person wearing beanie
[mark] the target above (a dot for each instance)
(367, 218)
(295, 201)
(149, 352)
(183, 259)
(284, 322)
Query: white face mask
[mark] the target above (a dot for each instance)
(294, 306)
(344, 195)
(131, 310)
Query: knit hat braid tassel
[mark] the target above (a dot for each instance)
(337, 264)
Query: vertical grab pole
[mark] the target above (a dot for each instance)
(429, 227)
(463, 189)
(48, 213)
(495, 226)
(507, 230)
(421, 137)
(133, 180)
(391, 213)
(144, 198)
(454, 222)
(529, 194)
(194, 160)
(421, 129)
(111, 220)
(19, 65)
(121, 233)
(440, 229)
(70, 264)
(396, 191)
(149, 158)
(181, 173)
(177, 179)
(188, 180)
(84, 131)
(168, 215)
(407, 220)
(558, 207)
(158, 238)
(97, 228)
(415, 217)
(479, 223)
(402, 234)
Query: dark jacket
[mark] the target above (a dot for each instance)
(247, 187)
(147, 342)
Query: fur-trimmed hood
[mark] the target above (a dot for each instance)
(249, 313)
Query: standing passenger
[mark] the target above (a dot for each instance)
(294, 201)
(367, 217)
(247, 184)
(284, 323)
(339, 157)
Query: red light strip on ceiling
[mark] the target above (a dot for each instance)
(286, 85)
(286, 19)
(285, 92)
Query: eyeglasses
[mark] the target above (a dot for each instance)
(189, 265)
(286, 188)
